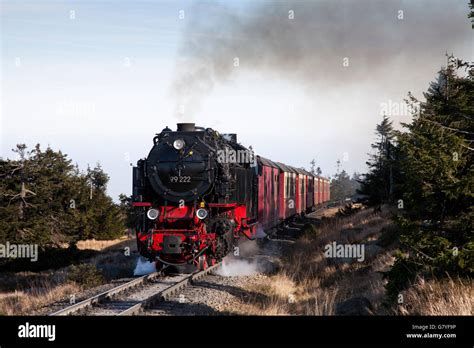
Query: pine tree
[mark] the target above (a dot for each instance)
(355, 182)
(126, 210)
(437, 181)
(378, 183)
(45, 200)
(43, 180)
(313, 166)
(437, 151)
(342, 186)
(104, 211)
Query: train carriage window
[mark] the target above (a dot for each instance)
(290, 189)
(288, 183)
(264, 191)
(272, 186)
(293, 185)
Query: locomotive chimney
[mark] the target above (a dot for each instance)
(186, 127)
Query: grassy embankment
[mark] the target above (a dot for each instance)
(23, 293)
(308, 283)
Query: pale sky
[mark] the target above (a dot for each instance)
(95, 78)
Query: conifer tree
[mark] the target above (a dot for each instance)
(437, 151)
(436, 187)
(378, 183)
(45, 200)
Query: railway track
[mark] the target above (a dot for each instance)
(133, 297)
(143, 292)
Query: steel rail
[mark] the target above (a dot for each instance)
(165, 294)
(106, 294)
(137, 307)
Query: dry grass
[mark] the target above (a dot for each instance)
(25, 301)
(273, 296)
(309, 284)
(438, 297)
(92, 244)
(327, 213)
(22, 293)
(317, 284)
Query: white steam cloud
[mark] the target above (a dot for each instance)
(237, 267)
(144, 267)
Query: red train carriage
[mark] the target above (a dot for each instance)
(328, 198)
(320, 198)
(268, 193)
(287, 182)
(323, 190)
(309, 191)
(315, 183)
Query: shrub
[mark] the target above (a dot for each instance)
(389, 235)
(86, 275)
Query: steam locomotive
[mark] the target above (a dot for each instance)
(198, 192)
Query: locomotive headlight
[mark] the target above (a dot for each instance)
(201, 213)
(152, 214)
(178, 144)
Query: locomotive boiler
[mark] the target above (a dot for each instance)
(199, 192)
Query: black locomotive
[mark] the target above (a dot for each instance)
(194, 196)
